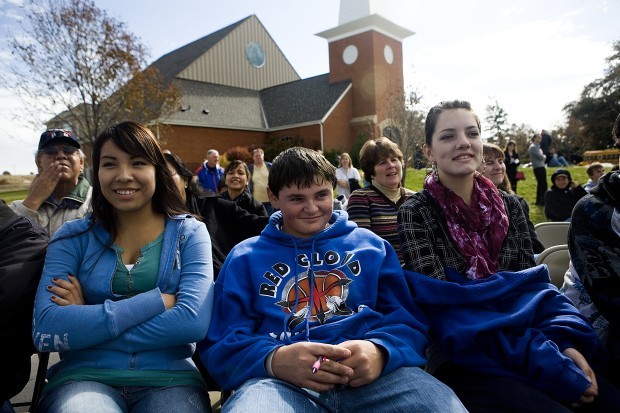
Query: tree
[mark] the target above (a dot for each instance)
(83, 68)
(497, 123)
(593, 115)
(405, 126)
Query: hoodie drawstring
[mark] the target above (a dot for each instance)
(311, 292)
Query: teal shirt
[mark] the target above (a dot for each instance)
(143, 276)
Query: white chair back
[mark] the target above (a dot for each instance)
(557, 259)
(552, 233)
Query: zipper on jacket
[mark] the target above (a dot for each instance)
(132, 362)
(176, 263)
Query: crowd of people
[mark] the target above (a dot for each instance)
(156, 280)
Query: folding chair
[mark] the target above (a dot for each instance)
(39, 382)
(557, 260)
(552, 233)
(211, 383)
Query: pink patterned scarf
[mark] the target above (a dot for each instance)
(478, 230)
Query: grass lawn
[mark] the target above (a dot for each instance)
(11, 196)
(527, 188)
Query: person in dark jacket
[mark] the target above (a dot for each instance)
(237, 179)
(511, 159)
(23, 243)
(594, 245)
(228, 224)
(561, 198)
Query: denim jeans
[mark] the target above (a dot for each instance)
(408, 389)
(94, 397)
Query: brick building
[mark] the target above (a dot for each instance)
(239, 89)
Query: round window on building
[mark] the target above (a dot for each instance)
(349, 55)
(255, 54)
(388, 53)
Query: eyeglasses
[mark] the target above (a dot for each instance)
(53, 150)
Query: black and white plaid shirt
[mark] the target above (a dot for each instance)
(427, 246)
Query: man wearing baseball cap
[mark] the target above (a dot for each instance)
(59, 193)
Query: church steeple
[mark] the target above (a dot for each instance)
(366, 48)
(351, 10)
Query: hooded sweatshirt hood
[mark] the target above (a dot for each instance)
(561, 172)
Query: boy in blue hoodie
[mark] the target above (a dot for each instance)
(315, 314)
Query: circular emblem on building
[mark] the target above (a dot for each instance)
(349, 55)
(388, 53)
(255, 54)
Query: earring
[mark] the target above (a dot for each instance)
(435, 172)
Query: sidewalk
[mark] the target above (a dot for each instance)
(26, 394)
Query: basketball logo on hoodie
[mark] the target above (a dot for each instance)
(328, 293)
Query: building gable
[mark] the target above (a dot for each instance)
(247, 57)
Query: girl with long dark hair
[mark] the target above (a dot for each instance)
(128, 290)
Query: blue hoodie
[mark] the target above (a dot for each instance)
(262, 293)
(513, 324)
(114, 332)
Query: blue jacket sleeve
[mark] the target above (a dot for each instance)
(189, 319)
(59, 328)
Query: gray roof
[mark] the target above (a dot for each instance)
(173, 63)
(302, 101)
(227, 106)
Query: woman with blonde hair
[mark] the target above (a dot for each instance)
(494, 168)
(346, 175)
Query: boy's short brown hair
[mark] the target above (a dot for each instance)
(299, 166)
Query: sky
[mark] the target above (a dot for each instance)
(531, 56)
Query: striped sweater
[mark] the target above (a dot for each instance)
(369, 208)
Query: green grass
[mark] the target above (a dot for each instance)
(11, 196)
(527, 188)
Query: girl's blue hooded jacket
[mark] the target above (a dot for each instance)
(262, 299)
(115, 332)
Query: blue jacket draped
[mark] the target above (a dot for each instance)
(512, 324)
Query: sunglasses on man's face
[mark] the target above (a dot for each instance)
(53, 150)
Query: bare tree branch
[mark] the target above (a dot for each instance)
(77, 67)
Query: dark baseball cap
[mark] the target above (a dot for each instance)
(57, 135)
